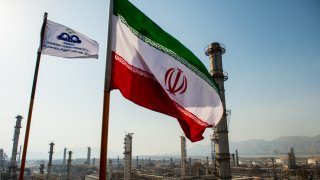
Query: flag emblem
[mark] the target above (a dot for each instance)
(175, 81)
(69, 38)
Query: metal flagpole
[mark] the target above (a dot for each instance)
(106, 102)
(34, 85)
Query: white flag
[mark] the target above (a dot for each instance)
(64, 42)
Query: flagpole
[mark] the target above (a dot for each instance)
(34, 85)
(106, 102)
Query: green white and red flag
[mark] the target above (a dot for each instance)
(154, 70)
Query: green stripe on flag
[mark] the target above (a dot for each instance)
(148, 31)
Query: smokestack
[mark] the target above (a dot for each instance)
(13, 162)
(207, 164)
(50, 159)
(93, 161)
(19, 155)
(215, 51)
(183, 157)
(41, 168)
(2, 160)
(88, 155)
(291, 159)
(118, 163)
(127, 156)
(233, 160)
(190, 167)
(64, 155)
(137, 162)
(69, 165)
(237, 158)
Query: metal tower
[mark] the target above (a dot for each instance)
(127, 156)
(50, 159)
(118, 163)
(291, 159)
(237, 158)
(13, 162)
(183, 157)
(41, 168)
(207, 166)
(2, 159)
(110, 169)
(137, 162)
(215, 51)
(69, 166)
(64, 156)
(18, 162)
(88, 156)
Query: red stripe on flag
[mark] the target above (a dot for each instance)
(141, 88)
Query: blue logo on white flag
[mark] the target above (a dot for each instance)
(62, 41)
(69, 38)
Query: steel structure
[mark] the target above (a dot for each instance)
(18, 161)
(183, 157)
(127, 156)
(88, 156)
(237, 159)
(69, 166)
(215, 51)
(50, 159)
(64, 156)
(291, 159)
(13, 162)
(2, 159)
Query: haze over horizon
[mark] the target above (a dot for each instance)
(272, 58)
(253, 147)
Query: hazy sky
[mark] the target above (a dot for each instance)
(272, 57)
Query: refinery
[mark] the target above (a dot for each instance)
(220, 164)
(129, 167)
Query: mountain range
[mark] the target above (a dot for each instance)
(256, 147)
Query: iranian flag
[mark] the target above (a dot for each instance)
(154, 70)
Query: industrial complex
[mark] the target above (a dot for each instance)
(220, 164)
(183, 167)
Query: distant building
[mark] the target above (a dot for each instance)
(282, 160)
(314, 160)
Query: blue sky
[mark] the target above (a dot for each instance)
(272, 57)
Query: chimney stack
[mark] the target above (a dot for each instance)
(13, 162)
(50, 159)
(215, 51)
